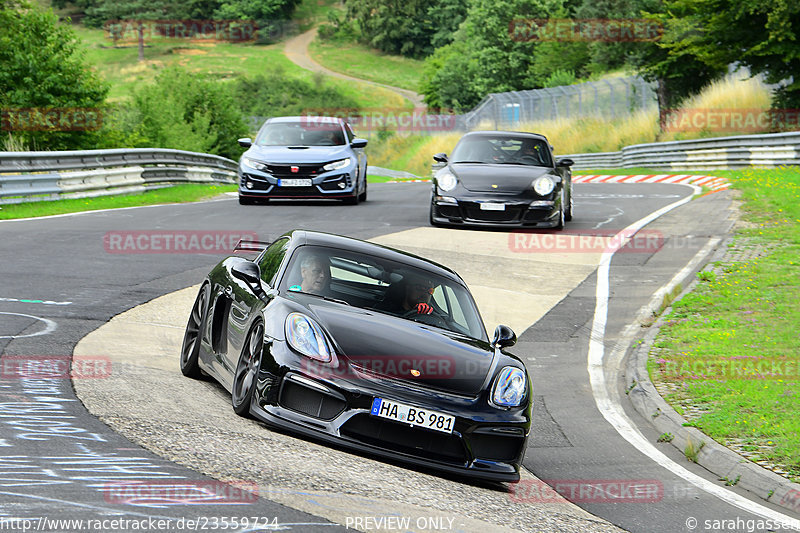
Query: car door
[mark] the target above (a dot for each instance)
(361, 156)
(246, 305)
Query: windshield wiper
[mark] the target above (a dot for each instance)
(326, 298)
(481, 162)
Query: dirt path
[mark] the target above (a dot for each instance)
(296, 49)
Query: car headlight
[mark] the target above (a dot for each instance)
(446, 180)
(544, 185)
(252, 163)
(305, 336)
(337, 165)
(509, 387)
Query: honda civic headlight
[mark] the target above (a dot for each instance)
(509, 387)
(252, 163)
(337, 165)
(446, 180)
(305, 336)
(544, 185)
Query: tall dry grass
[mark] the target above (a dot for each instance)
(589, 134)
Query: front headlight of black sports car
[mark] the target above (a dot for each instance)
(509, 388)
(446, 180)
(543, 185)
(305, 336)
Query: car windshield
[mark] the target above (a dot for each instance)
(304, 132)
(502, 149)
(384, 286)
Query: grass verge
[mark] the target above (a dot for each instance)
(728, 355)
(367, 64)
(168, 195)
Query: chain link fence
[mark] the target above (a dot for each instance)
(610, 98)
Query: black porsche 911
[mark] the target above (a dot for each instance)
(365, 346)
(500, 178)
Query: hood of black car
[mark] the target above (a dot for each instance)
(392, 347)
(509, 179)
(296, 155)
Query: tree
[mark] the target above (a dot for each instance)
(185, 111)
(44, 68)
(762, 36)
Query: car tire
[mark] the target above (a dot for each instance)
(190, 348)
(568, 213)
(561, 214)
(430, 218)
(244, 378)
(363, 196)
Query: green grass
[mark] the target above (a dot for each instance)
(169, 195)
(125, 73)
(368, 64)
(732, 343)
(312, 12)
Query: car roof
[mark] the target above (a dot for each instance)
(318, 238)
(494, 133)
(336, 120)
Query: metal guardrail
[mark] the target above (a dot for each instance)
(35, 176)
(770, 150)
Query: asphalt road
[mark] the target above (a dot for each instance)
(58, 461)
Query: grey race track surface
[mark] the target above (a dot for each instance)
(65, 260)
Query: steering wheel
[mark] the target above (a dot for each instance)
(434, 319)
(531, 159)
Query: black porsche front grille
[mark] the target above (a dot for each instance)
(310, 402)
(496, 447)
(386, 434)
(507, 215)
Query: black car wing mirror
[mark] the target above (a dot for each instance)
(504, 336)
(358, 143)
(441, 157)
(246, 142)
(566, 162)
(249, 272)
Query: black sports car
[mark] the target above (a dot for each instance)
(500, 178)
(365, 346)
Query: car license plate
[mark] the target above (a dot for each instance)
(295, 182)
(413, 415)
(488, 206)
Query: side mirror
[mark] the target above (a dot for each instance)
(358, 143)
(246, 142)
(566, 162)
(504, 336)
(441, 157)
(248, 272)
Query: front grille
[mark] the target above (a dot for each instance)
(285, 171)
(508, 215)
(451, 211)
(496, 447)
(310, 402)
(398, 437)
(295, 191)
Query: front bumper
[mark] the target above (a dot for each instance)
(333, 184)
(468, 212)
(486, 443)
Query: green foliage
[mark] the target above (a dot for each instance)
(560, 77)
(412, 28)
(185, 111)
(278, 94)
(43, 67)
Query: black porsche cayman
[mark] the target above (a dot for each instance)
(366, 346)
(500, 178)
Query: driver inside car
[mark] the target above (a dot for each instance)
(418, 294)
(315, 274)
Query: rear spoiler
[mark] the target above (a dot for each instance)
(246, 245)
